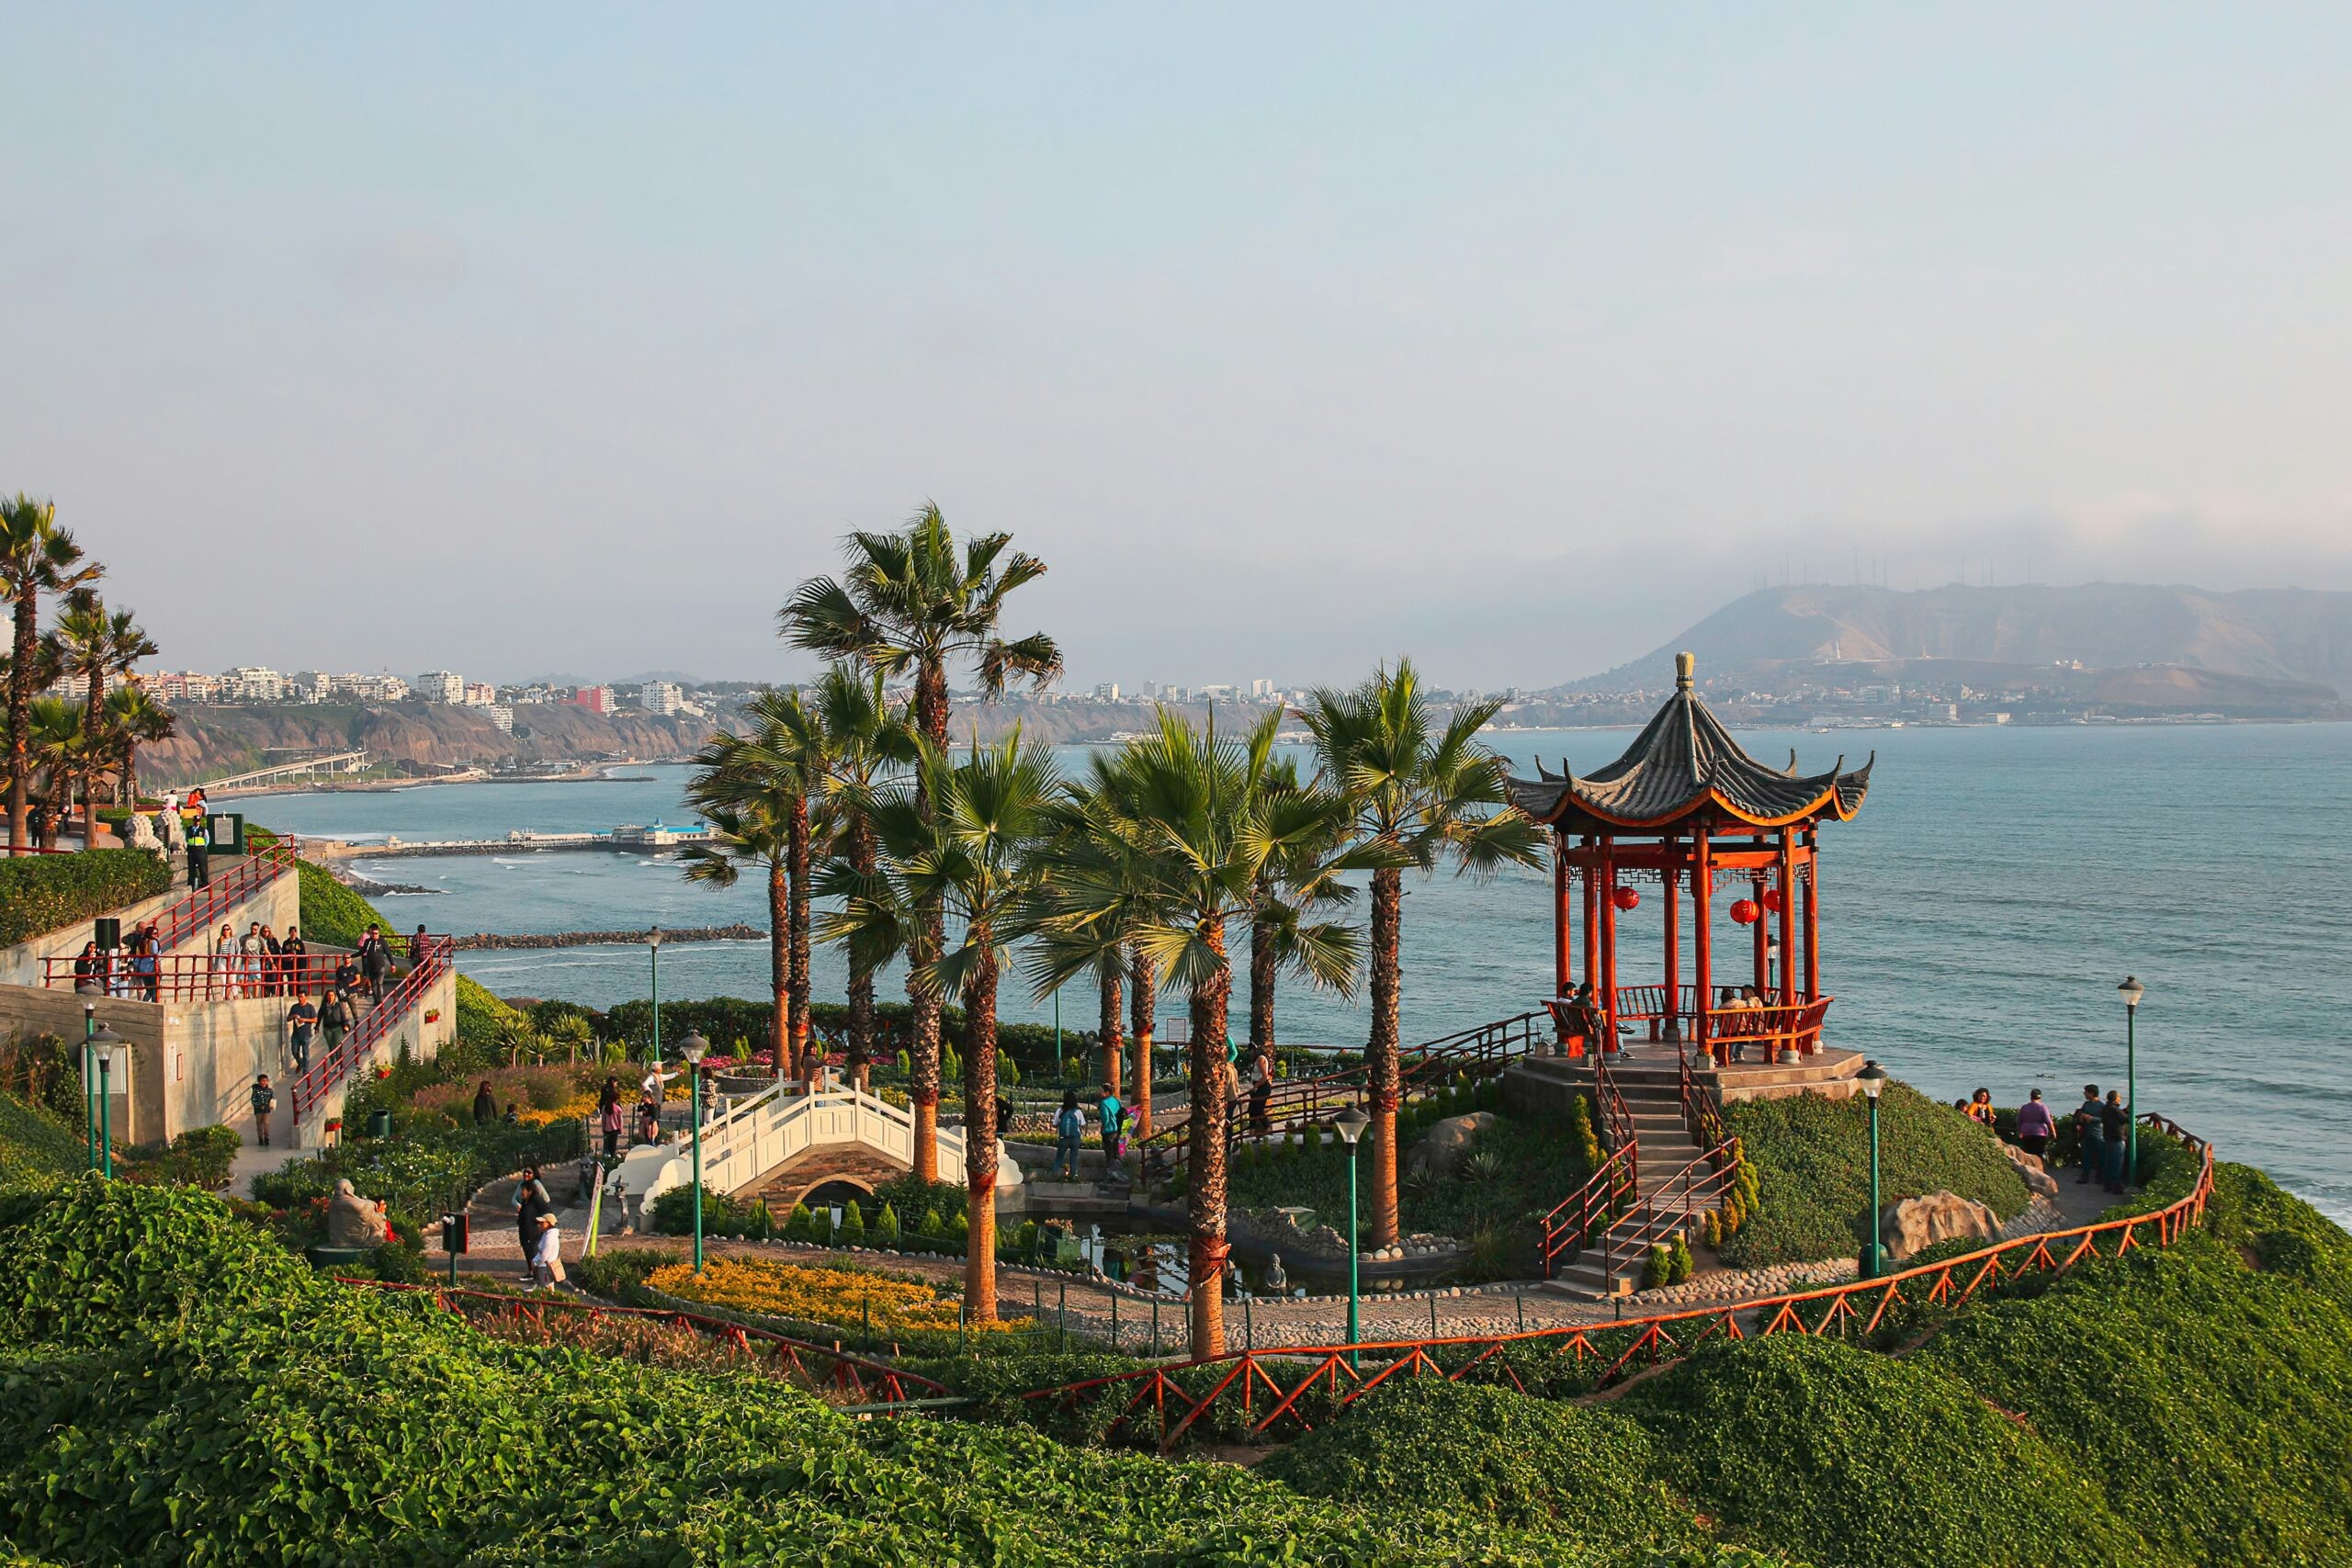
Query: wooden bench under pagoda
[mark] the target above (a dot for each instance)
(1688, 812)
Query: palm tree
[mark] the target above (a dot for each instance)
(97, 644)
(1091, 811)
(864, 736)
(1418, 793)
(136, 719)
(963, 839)
(37, 557)
(57, 745)
(1301, 878)
(1180, 804)
(909, 602)
(754, 791)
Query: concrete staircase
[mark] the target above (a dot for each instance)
(1666, 1146)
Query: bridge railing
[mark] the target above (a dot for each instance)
(778, 1124)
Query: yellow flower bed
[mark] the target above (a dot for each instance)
(816, 1295)
(572, 1110)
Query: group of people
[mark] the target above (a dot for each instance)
(135, 970)
(259, 963)
(537, 1226)
(2102, 1131)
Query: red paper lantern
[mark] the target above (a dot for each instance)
(1625, 898)
(1773, 899)
(1743, 911)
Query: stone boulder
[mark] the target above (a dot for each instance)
(353, 1221)
(2037, 1179)
(1441, 1148)
(1908, 1225)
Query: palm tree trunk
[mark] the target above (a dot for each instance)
(780, 963)
(1261, 986)
(1141, 996)
(1114, 1042)
(931, 714)
(20, 702)
(1205, 1156)
(860, 975)
(1380, 1053)
(91, 734)
(796, 848)
(979, 1136)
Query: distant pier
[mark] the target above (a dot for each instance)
(627, 841)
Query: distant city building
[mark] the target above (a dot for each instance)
(168, 686)
(660, 696)
(595, 699)
(1261, 690)
(503, 717)
(252, 683)
(441, 686)
(1108, 691)
(309, 686)
(481, 694)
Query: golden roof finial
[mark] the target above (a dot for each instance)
(1686, 666)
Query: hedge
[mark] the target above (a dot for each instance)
(181, 1389)
(1812, 1154)
(43, 893)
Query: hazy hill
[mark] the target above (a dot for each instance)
(2300, 638)
(213, 741)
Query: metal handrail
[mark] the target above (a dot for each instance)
(200, 976)
(357, 1047)
(237, 883)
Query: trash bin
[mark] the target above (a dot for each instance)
(379, 1124)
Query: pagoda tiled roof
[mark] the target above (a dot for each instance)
(1686, 764)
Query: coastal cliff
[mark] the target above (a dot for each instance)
(213, 741)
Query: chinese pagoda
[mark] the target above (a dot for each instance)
(1687, 810)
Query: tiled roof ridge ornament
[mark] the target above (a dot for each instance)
(1686, 670)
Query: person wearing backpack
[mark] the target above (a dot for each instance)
(1069, 1126)
(265, 1101)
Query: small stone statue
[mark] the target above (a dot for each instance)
(143, 835)
(1276, 1280)
(353, 1221)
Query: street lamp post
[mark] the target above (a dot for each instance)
(1874, 1079)
(1352, 1124)
(2132, 991)
(695, 1048)
(653, 946)
(89, 1085)
(105, 1042)
(1057, 1032)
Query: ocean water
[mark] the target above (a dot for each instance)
(1976, 917)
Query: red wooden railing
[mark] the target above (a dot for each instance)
(858, 1377)
(1286, 1376)
(356, 1049)
(1588, 1213)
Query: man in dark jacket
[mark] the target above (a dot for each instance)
(2115, 1123)
(485, 1105)
(376, 963)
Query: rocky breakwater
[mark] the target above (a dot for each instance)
(609, 939)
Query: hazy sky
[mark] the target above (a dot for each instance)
(530, 339)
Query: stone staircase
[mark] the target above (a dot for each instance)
(1666, 1147)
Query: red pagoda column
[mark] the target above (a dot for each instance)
(1812, 920)
(1703, 877)
(1787, 994)
(1591, 873)
(1562, 935)
(1761, 932)
(1670, 884)
(1608, 981)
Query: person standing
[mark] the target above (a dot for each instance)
(301, 1018)
(224, 964)
(2115, 1124)
(272, 964)
(531, 1208)
(146, 968)
(609, 1116)
(416, 949)
(252, 957)
(265, 1101)
(90, 971)
(199, 852)
(1069, 1126)
(2034, 1127)
(2090, 1128)
(296, 953)
(1261, 1095)
(485, 1105)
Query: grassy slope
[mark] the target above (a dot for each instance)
(337, 916)
(33, 1144)
(1813, 1155)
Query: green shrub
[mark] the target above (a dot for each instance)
(1844, 1457)
(35, 1144)
(1658, 1271)
(42, 893)
(801, 1225)
(333, 915)
(886, 1228)
(1437, 1448)
(1679, 1261)
(1809, 1196)
(200, 1157)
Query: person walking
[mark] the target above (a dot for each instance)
(2034, 1127)
(375, 962)
(301, 1020)
(610, 1120)
(146, 968)
(199, 852)
(346, 982)
(533, 1213)
(2089, 1128)
(1069, 1126)
(2115, 1124)
(485, 1105)
(334, 1019)
(265, 1101)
